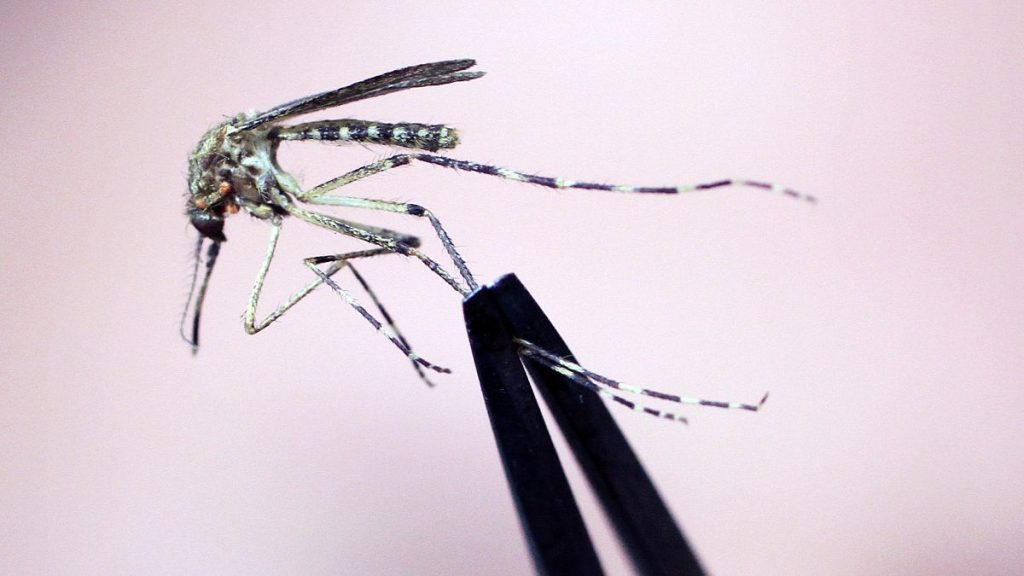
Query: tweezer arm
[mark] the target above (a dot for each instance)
(643, 522)
(551, 522)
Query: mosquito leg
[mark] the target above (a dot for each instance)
(367, 234)
(565, 369)
(572, 184)
(404, 208)
(548, 182)
(581, 375)
(387, 331)
(387, 319)
(253, 326)
(354, 175)
(250, 323)
(318, 195)
(338, 262)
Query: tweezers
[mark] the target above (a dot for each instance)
(555, 533)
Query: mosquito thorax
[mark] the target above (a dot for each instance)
(226, 172)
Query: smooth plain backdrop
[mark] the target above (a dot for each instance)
(886, 321)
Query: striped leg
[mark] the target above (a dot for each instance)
(387, 318)
(386, 241)
(338, 262)
(599, 383)
(388, 331)
(558, 183)
(402, 208)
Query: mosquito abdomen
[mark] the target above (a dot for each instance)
(431, 137)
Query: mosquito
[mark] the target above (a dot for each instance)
(235, 168)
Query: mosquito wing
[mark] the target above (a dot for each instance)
(432, 74)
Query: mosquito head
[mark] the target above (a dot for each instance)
(209, 199)
(208, 223)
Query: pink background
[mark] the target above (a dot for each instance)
(887, 321)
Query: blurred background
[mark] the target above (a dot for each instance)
(886, 321)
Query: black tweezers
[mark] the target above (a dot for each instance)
(555, 533)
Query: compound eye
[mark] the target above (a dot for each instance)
(209, 224)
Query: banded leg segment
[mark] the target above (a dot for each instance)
(546, 181)
(597, 382)
(253, 326)
(388, 331)
(338, 261)
(404, 208)
(560, 183)
(565, 368)
(388, 320)
(368, 234)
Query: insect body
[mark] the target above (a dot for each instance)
(235, 168)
